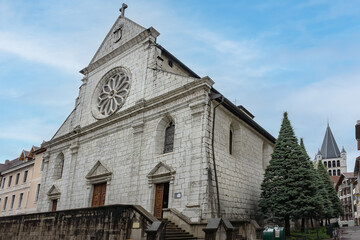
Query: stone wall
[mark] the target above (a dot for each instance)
(110, 222)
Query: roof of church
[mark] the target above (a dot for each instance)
(329, 148)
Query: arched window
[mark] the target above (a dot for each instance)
(334, 164)
(330, 172)
(338, 172)
(59, 166)
(334, 172)
(325, 163)
(338, 163)
(230, 141)
(169, 138)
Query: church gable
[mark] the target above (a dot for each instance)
(121, 32)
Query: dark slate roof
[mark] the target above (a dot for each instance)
(329, 148)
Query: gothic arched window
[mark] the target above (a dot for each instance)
(338, 172)
(330, 172)
(334, 164)
(230, 141)
(334, 172)
(169, 138)
(338, 163)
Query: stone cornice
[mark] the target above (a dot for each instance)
(150, 32)
(141, 106)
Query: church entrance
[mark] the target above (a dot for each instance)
(99, 194)
(161, 199)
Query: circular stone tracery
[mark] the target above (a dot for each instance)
(113, 93)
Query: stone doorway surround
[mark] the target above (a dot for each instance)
(161, 173)
(99, 173)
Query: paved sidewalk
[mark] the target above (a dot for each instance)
(347, 233)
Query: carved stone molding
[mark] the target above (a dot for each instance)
(161, 173)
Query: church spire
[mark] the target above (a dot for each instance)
(329, 148)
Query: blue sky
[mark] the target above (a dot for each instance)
(270, 56)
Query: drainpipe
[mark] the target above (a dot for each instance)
(213, 97)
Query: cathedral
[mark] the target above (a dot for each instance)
(147, 130)
(330, 155)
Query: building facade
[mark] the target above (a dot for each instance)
(20, 183)
(347, 194)
(357, 172)
(147, 130)
(330, 155)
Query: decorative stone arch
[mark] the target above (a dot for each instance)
(99, 173)
(59, 166)
(160, 133)
(161, 173)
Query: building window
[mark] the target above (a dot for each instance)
(169, 138)
(338, 163)
(338, 172)
(20, 200)
(10, 179)
(330, 172)
(25, 176)
(5, 202)
(12, 202)
(334, 172)
(17, 179)
(37, 193)
(325, 163)
(230, 141)
(334, 164)
(3, 183)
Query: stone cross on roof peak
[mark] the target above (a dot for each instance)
(122, 9)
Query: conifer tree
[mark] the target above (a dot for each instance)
(282, 187)
(316, 204)
(323, 186)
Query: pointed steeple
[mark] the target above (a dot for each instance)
(343, 150)
(329, 148)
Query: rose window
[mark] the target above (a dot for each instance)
(113, 93)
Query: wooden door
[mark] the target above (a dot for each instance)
(99, 194)
(54, 205)
(159, 196)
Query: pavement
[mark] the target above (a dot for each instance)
(347, 233)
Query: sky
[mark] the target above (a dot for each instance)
(302, 57)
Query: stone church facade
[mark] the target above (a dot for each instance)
(147, 130)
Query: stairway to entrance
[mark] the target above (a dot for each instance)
(173, 232)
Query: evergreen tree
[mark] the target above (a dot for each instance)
(323, 185)
(282, 188)
(316, 202)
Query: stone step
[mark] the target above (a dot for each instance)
(174, 232)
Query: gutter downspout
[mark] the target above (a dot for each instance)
(213, 97)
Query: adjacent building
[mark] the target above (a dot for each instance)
(347, 194)
(330, 155)
(20, 182)
(357, 172)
